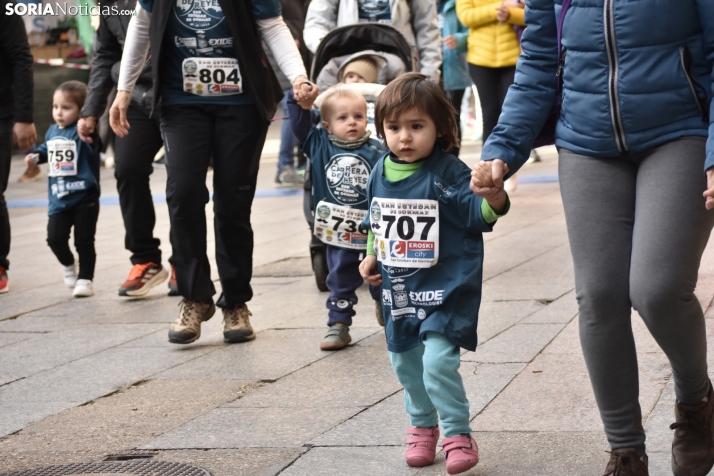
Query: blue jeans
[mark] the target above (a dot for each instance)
(433, 389)
(343, 279)
(288, 142)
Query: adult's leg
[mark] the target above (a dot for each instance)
(239, 137)
(187, 133)
(286, 154)
(455, 98)
(134, 156)
(506, 78)
(599, 202)
(85, 216)
(672, 229)
(59, 226)
(343, 279)
(5, 158)
(409, 368)
(444, 385)
(487, 81)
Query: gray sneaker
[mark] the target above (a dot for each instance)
(187, 327)
(236, 325)
(336, 338)
(288, 177)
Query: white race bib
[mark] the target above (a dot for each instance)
(211, 76)
(61, 157)
(340, 226)
(406, 232)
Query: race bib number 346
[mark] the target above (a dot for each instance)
(211, 76)
(340, 226)
(406, 232)
(61, 157)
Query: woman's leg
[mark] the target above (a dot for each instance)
(409, 368)
(59, 226)
(444, 385)
(85, 216)
(487, 81)
(505, 79)
(672, 229)
(599, 202)
(455, 98)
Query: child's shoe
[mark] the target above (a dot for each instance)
(422, 445)
(83, 288)
(461, 453)
(336, 338)
(70, 275)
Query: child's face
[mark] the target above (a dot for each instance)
(348, 120)
(65, 111)
(411, 136)
(353, 77)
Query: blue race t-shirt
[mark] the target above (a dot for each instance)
(428, 239)
(72, 167)
(339, 188)
(375, 11)
(200, 64)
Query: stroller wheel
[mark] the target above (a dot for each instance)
(319, 267)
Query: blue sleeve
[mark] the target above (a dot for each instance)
(706, 18)
(531, 97)
(147, 5)
(300, 119)
(264, 9)
(42, 150)
(469, 207)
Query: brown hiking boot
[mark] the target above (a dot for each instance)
(625, 462)
(693, 444)
(187, 327)
(236, 325)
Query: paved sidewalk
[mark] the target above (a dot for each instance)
(84, 379)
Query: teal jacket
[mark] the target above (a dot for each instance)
(454, 70)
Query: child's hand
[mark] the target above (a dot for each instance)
(306, 103)
(502, 13)
(31, 160)
(369, 270)
(487, 177)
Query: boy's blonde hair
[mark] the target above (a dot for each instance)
(414, 90)
(333, 94)
(76, 90)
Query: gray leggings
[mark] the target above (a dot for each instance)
(637, 228)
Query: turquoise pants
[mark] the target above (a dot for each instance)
(433, 389)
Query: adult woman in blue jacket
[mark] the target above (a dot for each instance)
(454, 70)
(632, 138)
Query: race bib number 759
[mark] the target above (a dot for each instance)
(406, 232)
(61, 157)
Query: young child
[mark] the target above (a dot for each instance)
(342, 156)
(73, 171)
(360, 70)
(426, 250)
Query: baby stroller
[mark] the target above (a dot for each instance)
(343, 42)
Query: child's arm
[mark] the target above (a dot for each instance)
(41, 152)
(300, 119)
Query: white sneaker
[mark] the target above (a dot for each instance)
(70, 275)
(83, 288)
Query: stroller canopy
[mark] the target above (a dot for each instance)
(359, 37)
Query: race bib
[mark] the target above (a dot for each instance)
(61, 157)
(406, 232)
(340, 226)
(211, 76)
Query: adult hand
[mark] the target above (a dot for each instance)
(117, 114)
(304, 91)
(24, 134)
(502, 13)
(487, 179)
(85, 128)
(450, 42)
(709, 193)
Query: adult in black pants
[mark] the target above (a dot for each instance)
(218, 95)
(16, 123)
(133, 154)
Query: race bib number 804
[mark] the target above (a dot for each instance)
(211, 76)
(406, 232)
(61, 158)
(340, 226)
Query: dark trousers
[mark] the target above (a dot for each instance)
(343, 279)
(83, 217)
(5, 157)
(492, 85)
(233, 136)
(455, 97)
(134, 156)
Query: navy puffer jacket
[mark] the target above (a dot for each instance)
(636, 74)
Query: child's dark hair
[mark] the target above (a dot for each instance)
(414, 90)
(77, 90)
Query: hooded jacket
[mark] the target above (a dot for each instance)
(633, 78)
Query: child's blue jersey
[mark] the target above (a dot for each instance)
(339, 188)
(73, 167)
(429, 247)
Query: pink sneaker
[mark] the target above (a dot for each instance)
(461, 453)
(422, 445)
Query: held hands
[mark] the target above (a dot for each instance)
(304, 92)
(85, 128)
(117, 114)
(369, 270)
(709, 192)
(487, 182)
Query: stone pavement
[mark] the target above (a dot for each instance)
(81, 380)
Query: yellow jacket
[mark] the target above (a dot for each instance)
(492, 44)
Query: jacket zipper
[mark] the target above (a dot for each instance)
(686, 59)
(613, 76)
